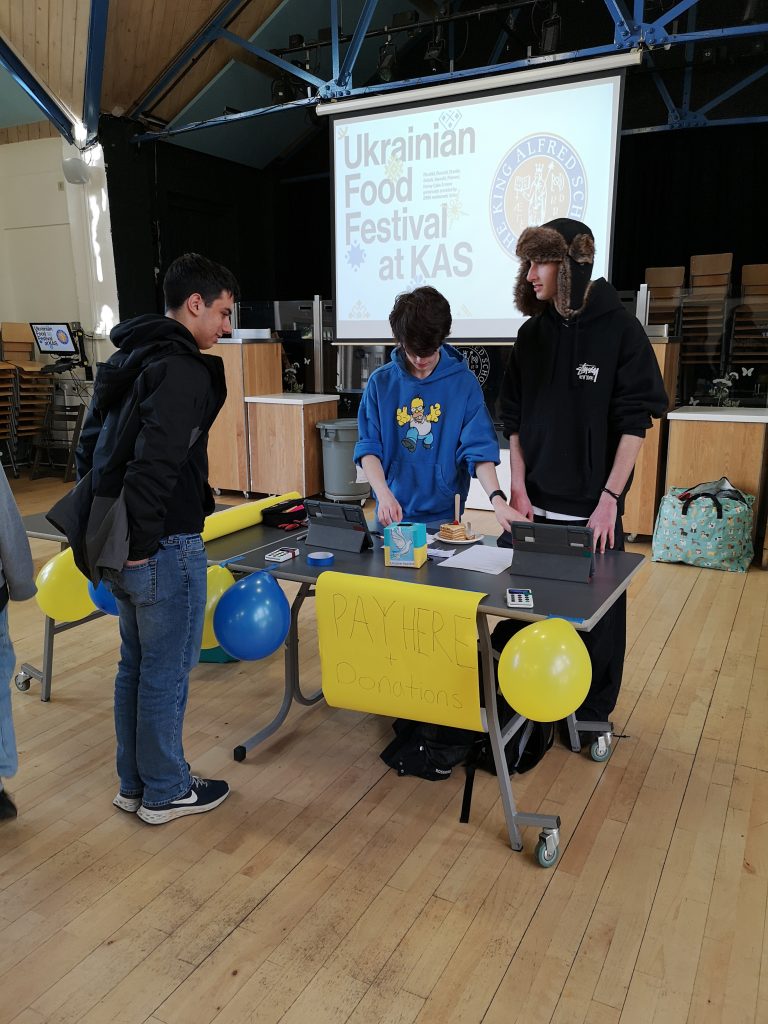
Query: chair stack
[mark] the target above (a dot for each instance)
(703, 313)
(665, 290)
(8, 413)
(35, 395)
(748, 351)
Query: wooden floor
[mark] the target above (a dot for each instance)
(327, 890)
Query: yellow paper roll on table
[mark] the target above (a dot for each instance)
(240, 517)
(62, 590)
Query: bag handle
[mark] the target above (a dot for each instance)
(695, 497)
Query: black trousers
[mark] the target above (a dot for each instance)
(606, 644)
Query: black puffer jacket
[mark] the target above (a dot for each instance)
(144, 442)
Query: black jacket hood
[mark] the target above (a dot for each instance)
(140, 340)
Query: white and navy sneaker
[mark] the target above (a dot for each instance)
(202, 795)
(131, 804)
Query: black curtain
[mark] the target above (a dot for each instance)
(688, 192)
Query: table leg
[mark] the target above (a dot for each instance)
(547, 849)
(45, 675)
(292, 685)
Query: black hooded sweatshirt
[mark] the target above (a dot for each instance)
(146, 430)
(571, 389)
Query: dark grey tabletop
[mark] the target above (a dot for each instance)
(583, 604)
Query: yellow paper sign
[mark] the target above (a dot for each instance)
(400, 649)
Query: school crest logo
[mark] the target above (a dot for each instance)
(540, 178)
(478, 361)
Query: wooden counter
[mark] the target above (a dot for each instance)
(250, 369)
(642, 502)
(284, 443)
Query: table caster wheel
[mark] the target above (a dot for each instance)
(22, 681)
(547, 857)
(631, 537)
(600, 750)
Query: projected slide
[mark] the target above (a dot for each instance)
(438, 194)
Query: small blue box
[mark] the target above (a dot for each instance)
(405, 544)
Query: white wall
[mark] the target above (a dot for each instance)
(56, 261)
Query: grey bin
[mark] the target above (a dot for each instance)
(339, 470)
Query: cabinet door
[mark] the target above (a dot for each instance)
(227, 442)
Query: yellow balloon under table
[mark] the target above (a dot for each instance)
(62, 590)
(545, 671)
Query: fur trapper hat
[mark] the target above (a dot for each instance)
(567, 242)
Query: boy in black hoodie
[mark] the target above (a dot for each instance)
(139, 509)
(578, 395)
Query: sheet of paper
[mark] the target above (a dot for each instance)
(481, 558)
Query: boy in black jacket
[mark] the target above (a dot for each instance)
(143, 464)
(578, 395)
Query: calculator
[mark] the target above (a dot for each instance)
(519, 598)
(281, 555)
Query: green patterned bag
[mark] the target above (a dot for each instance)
(710, 529)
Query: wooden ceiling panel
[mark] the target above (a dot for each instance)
(51, 37)
(26, 132)
(144, 38)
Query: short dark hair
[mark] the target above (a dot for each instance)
(421, 320)
(193, 273)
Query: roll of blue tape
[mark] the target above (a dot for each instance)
(320, 558)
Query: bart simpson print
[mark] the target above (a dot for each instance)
(419, 423)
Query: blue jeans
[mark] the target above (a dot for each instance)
(162, 606)
(9, 761)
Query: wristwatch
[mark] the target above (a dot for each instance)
(497, 494)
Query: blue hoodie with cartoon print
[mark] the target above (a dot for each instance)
(427, 433)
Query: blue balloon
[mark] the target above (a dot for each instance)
(252, 617)
(103, 599)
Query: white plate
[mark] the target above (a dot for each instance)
(446, 540)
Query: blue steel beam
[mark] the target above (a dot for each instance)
(689, 52)
(710, 124)
(24, 77)
(702, 111)
(674, 113)
(623, 29)
(94, 67)
(222, 119)
(639, 6)
(717, 33)
(335, 40)
(350, 57)
(673, 13)
(271, 58)
(203, 38)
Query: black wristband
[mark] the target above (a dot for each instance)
(494, 494)
(612, 494)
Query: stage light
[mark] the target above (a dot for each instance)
(387, 61)
(550, 35)
(434, 55)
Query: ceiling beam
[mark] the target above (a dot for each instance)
(94, 67)
(21, 74)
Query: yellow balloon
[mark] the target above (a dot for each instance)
(219, 580)
(62, 590)
(545, 671)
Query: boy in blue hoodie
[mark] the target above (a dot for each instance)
(423, 426)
